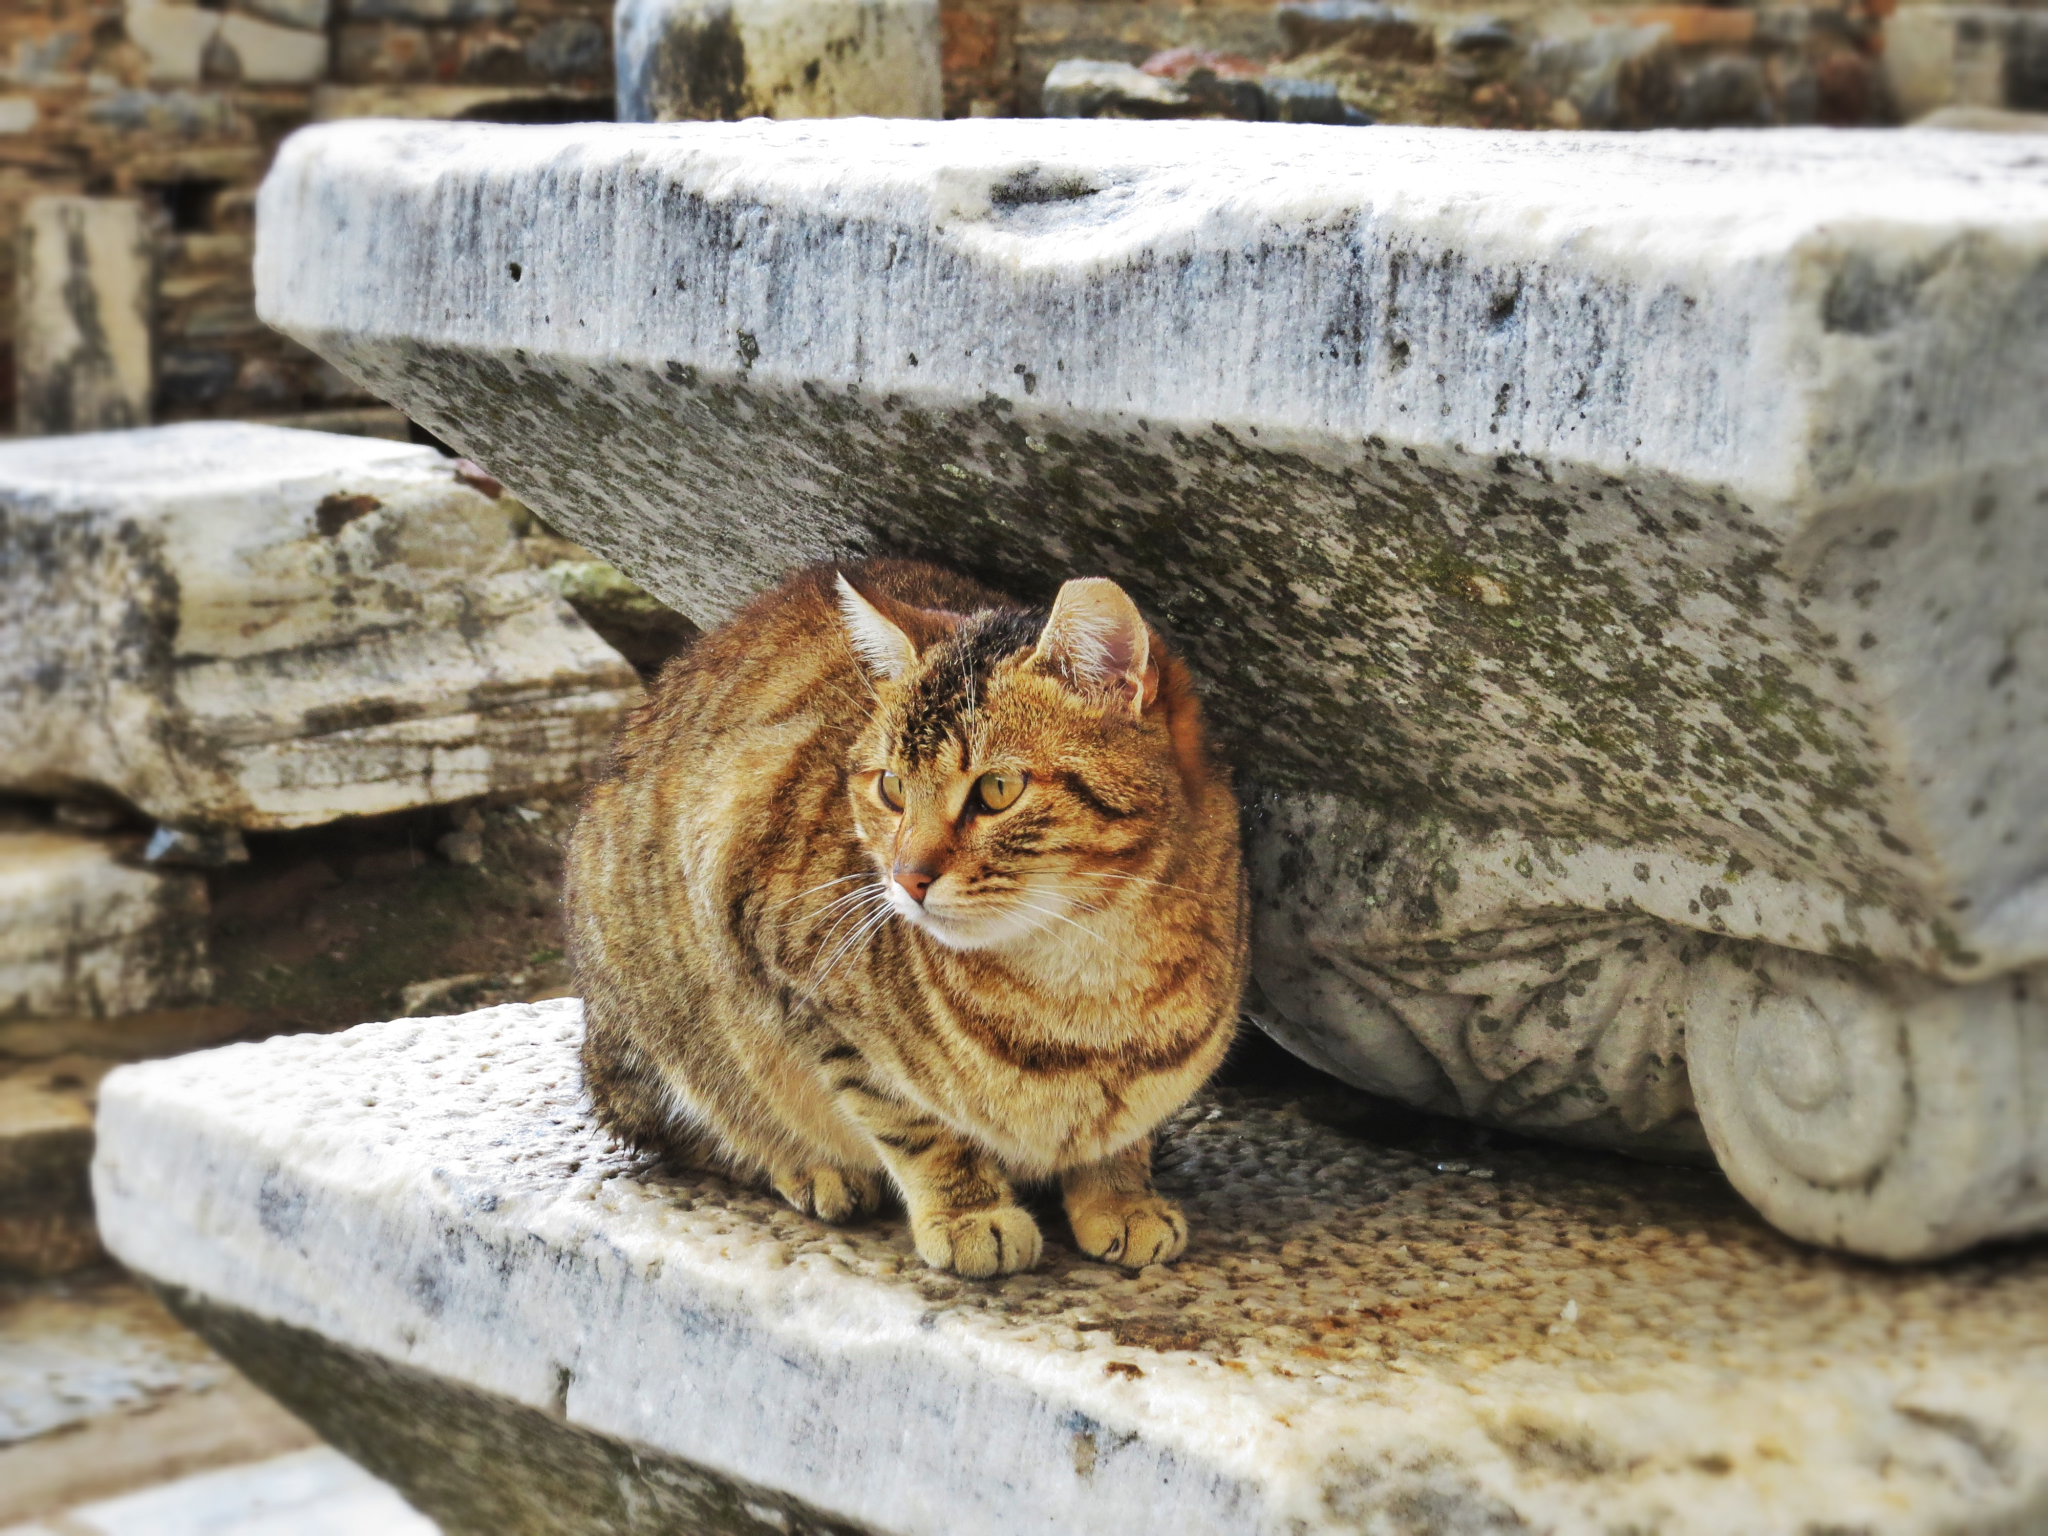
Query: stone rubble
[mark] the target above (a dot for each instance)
(415, 1234)
(1514, 659)
(232, 626)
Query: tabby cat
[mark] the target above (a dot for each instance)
(894, 878)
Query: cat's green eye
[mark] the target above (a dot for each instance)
(890, 787)
(999, 790)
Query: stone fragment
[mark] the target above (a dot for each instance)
(1613, 545)
(1190, 85)
(461, 847)
(268, 54)
(1365, 27)
(233, 626)
(416, 1236)
(421, 997)
(1098, 87)
(174, 35)
(83, 305)
(18, 114)
(84, 931)
(684, 60)
(1132, 31)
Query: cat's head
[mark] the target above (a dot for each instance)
(1023, 770)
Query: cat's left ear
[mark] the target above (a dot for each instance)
(1097, 641)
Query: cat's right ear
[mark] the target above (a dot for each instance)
(881, 644)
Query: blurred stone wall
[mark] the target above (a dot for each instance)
(173, 110)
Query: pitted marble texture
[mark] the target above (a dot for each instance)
(246, 626)
(1360, 1339)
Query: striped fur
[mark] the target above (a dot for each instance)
(766, 996)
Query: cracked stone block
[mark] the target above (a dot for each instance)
(416, 1236)
(84, 295)
(87, 933)
(683, 60)
(234, 626)
(1592, 550)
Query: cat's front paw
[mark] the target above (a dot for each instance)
(1131, 1230)
(830, 1194)
(999, 1240)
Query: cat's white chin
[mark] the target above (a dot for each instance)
(961, 931)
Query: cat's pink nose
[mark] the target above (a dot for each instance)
(916, 882)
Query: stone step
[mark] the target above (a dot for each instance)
(238, 626)
(103, 1392)
(1592, 550)
(417, 1237)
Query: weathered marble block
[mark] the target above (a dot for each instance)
(85, 932)
(1613, 552)
(415, 1235)
(706, 60)
(240, 626)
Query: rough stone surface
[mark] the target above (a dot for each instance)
(85, 931)
(83, 298)
(1601, 547)
(1361, 1338)
(254, 627)
(683, 60)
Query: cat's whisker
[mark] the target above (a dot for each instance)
(819, 916)
(1058, 938)
(822, 885)
(1083, 927)
(856, 939)
(1103, 874)
(861, 904)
